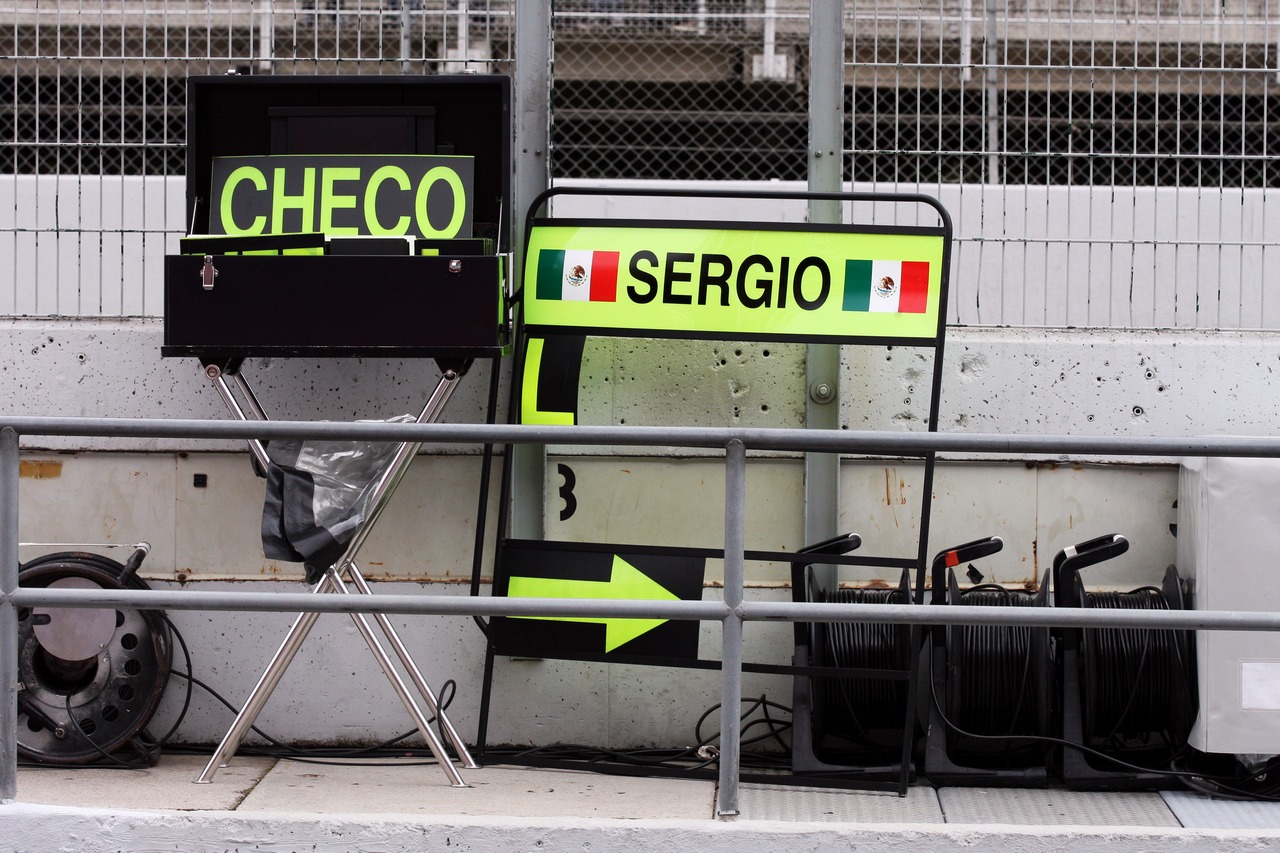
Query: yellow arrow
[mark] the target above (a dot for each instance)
(625, 582)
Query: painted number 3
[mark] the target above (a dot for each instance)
(566, 491)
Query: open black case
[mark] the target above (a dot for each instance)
(448, 304)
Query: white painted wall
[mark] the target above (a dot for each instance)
(1088, 257)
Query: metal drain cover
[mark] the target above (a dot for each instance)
(837, 805)
(1048, 807)
(1196, 811)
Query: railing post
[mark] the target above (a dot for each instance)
(826, 175)
(735, 496)
(8, 614)
(532, 118)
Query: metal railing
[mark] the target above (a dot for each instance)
(732, 612)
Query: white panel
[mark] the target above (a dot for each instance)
(123, 499)
(429, 528)
(218, 525)
(1080, 503)
(1036, 510)
(632, 501)
(1084, 256)
(881, 503)
(1260, 685)
(1228, 539)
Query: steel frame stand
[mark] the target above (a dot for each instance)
(333, 582)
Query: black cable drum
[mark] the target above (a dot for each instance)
(997, 680)
(1136, 686)
(866, 713)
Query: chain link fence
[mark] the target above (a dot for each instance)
(1077, 144)
(710, 90)
(99, 88)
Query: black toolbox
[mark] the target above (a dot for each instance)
(437, 304)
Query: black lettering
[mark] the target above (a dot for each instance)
(672, 276)
(566, 492)
(720, 279)
(782, 281)
(647, 295)
(761, 299)
(798, 283)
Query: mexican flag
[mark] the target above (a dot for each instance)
(577, 275)
(891, 287)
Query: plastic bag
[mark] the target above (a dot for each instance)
(317, 496)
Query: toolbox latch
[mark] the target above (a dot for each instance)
(208, 273)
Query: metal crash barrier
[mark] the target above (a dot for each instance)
(731, 613)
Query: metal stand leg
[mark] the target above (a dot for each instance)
(415, 675)
(379, 497)
(262, 690)
(424, 726)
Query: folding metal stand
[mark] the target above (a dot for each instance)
(333, 582)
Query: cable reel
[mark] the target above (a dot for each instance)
(90, 678)
(1127, 694)
(1135, 684)
(997, 680)
(866, 712)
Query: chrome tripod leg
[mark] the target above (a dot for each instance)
(288, 650)
(415, 675)
(397, 683)
(381, 493)
(262, 690)
(256, 447)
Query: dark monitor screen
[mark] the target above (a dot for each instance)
(352, 130)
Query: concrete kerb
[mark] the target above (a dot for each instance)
(79, 830)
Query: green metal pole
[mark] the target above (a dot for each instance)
(532, 176)
(826, 174)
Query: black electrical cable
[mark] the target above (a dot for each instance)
(704, 753)
(186, 699)
(863, 709)
(993, 670)
(1135, 686)
(1189, 777)
(774, 728)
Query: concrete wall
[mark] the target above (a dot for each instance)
(998, 380)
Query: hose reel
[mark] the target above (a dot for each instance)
(90, 678)
(990, 686)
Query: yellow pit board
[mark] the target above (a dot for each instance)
(810, 283)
